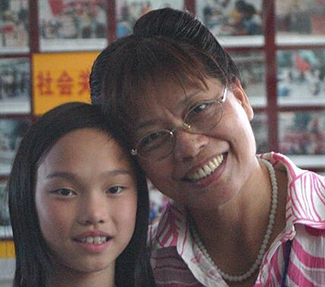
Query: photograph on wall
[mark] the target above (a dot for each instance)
(301, 77)
(13, 26)
(4, 209)
(260, 128)
(303, 134)
(233, 22)
(70, 25)
(11, 132)
(252, 69)
(300, 21)
(14, 86)
(128, 11)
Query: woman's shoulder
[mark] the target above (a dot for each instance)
(167, 228)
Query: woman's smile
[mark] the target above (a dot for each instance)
(206, 170)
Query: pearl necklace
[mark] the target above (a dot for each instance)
(256, 264)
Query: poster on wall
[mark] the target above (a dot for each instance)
(14, 86)
(11, 132)
(13, 26)
(233, 22)
(128, 11)
(72, 25)
(301, 77)
(60, 78)
(300, 21)
(302, 134)
(252, 69)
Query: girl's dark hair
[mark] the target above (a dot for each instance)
(167, 46)
(33, 263)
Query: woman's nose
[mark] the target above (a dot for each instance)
(94, 210)
(188, 145)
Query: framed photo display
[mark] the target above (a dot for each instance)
(11, 132)
(72, 25)
(301, 75)
(260, 128)
(128, 11)
(15, 86)
(233, 22)
(14, 26)
(302, 136)
(5, 226)
(300, 22)
(251, 65)
(4, 208)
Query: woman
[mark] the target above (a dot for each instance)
(236, 219)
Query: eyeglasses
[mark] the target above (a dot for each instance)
(199, 119)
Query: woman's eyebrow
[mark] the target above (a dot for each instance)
(146, 123)
(188, 97)
(151, 122)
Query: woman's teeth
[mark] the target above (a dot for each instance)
(207, 169)
(93, 240)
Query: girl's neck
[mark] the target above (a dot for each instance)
(67, 277)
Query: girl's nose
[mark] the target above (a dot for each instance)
(94, 210)
(188, 145)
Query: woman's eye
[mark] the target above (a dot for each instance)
(64, 192)
(115, 189)
(200, 112)
(151, 138)
(199, 108)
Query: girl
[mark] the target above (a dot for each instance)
(78, 205)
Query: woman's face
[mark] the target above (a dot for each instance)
(86, 201)
(207, 169)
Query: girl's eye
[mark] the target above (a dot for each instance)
(64, 192)
(115, 189)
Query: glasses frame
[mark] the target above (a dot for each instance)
(185, 126)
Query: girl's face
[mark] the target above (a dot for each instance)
(86, 201)
(204, 170)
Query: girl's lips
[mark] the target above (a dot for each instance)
(93, 248)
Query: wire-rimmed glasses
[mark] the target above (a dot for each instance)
(201, 118)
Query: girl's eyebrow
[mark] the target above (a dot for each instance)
(73, 176)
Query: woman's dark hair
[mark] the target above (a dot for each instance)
(167, 46)
(33, 263)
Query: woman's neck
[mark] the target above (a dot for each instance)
(242, 213)
(233, 233)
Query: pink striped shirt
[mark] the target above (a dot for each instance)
(177, 260)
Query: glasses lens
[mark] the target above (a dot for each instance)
(204, 116)
(156, 145)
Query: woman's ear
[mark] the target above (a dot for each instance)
(241, 96)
